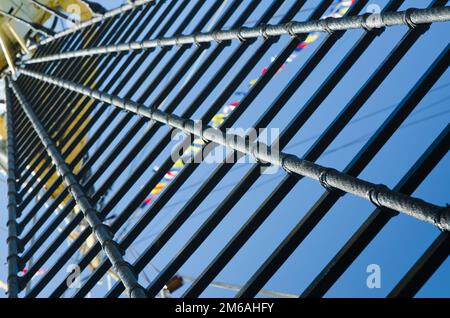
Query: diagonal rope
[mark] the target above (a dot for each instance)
(410, 17)
(380, 195)
(100, 230)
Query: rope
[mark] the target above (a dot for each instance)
(330, 25)
(386, 198)
(100, 230)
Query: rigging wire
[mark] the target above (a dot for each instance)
(361, 118)
(355, 141)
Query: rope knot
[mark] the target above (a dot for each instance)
(323, 181)
(240, 36)
(325, 24)
(374, 193)
(263, 31)
(407, 18)
(439, 217)
(289, 27)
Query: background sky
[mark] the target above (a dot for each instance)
(398, 245)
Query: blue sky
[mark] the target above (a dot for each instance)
(399, 244)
